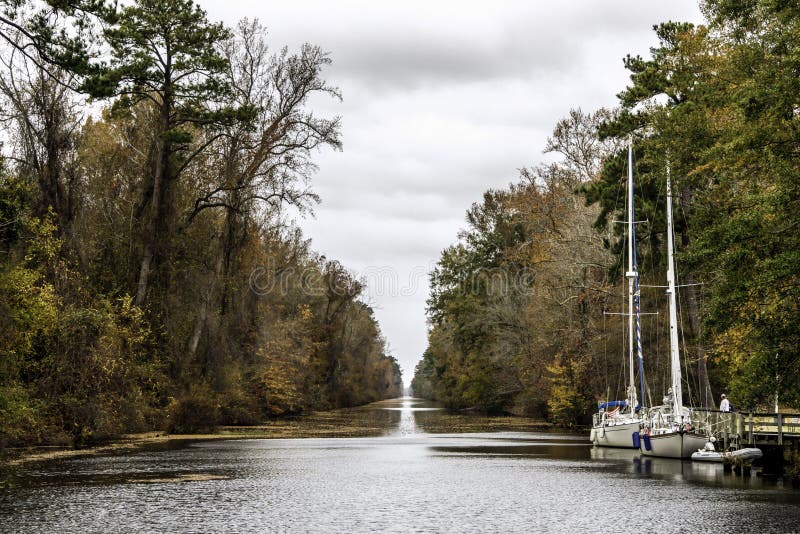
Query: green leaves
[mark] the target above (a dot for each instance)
(720, 106)
(177, 136)
(166, 47)
(515, 290)
(15, 196)
(59, 34)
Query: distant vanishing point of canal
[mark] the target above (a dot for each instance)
(419, 475)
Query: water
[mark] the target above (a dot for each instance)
(415, 476)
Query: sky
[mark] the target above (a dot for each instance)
(442, 100)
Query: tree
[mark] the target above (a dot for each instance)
(748, 243)
(44, 120)
(180, 183)
(263, 167)
(665, 114)
(525, 282)
(720, 101)
(166, 52)
(60, 36)
(577, 139)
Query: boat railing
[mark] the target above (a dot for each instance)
(611, 418)
(600, 418)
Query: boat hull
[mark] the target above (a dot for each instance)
(673, 444)
(619, 435)
(708, 456)
(747, 455)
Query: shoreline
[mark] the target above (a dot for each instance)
(130, 443)
(340, 423)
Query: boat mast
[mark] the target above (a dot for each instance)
(631, 275)
(675, 358)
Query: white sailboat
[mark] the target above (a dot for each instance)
(668, 430)
(617, 423)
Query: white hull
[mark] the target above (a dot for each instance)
(673, 444)
(619, 435)
(747, 455)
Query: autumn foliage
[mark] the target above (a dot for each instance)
(150, 274)
(716, 105)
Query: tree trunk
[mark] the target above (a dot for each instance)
(152, 230)
(149, 241)
(202, 314)
(228, 250)
(150, 234)
(222, 267)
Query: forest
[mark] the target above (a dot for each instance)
(151, 274)
(522, 311)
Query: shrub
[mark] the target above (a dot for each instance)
(196, 411)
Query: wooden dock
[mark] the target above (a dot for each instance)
(751, 428)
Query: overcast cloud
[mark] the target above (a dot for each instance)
(442, 100)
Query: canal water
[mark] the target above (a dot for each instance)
(418, 475)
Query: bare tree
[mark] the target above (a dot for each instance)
(43, 120)
(576, 138)
(263, 170)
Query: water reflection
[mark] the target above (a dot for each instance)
(408, 424)
(631, 462)
(416, 472)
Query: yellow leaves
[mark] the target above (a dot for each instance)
(123, 334)
(18, 411)
(305, 312)
(285, 363)
(31, 305)
(280, 388)
(565, 402)
(43, 245)
(730, 348)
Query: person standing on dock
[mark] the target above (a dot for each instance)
(724, 405)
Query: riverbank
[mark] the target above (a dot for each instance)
(407, 479)
(363, 421)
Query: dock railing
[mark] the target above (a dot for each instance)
(747, 428)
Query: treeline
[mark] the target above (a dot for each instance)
(150, 277)
(715, 105)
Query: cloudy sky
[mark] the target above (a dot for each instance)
(442, 100)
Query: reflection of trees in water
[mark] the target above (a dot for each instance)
(429, 421)
(388, 419)
(380, 419)
(370, 420)
(443, 422)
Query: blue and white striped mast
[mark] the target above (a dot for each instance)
(637, 301)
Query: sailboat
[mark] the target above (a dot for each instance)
(617, 423)
(668, 430)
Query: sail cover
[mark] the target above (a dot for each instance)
(613, 404)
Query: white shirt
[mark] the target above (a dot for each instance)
(724, 406)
